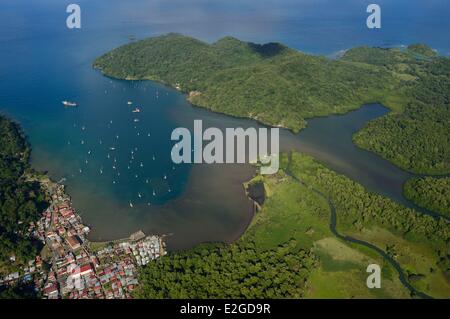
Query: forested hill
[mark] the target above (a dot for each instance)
(21, 202)
(418, 137)
(270, 82)
(282, 87)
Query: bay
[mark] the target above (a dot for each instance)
(44, 63)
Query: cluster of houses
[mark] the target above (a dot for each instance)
(28, 273)
(74, 270)
(119, 262)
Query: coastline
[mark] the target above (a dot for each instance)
(392, 110)
(70, 265)
(296, 112)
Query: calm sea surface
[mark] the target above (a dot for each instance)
(113, 159)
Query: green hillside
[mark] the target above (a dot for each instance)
(270, 82)
(282, 87)
(21, 202)
(430, 193)
(418, 138)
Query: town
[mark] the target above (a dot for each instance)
(71, 267)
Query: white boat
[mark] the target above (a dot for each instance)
(112, 148)
(129, 102)
(136, 110)
(68, 103)
(131, 204)
(136, 120)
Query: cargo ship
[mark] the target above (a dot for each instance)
(68, 103)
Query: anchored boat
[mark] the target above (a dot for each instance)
(68, 103)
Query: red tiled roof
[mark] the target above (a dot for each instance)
(85, 268)
(52, 288)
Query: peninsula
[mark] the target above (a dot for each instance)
(283, 87)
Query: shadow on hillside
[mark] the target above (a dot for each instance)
(267, 50)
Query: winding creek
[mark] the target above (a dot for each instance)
(333, 228)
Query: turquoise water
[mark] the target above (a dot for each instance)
(44, 63)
